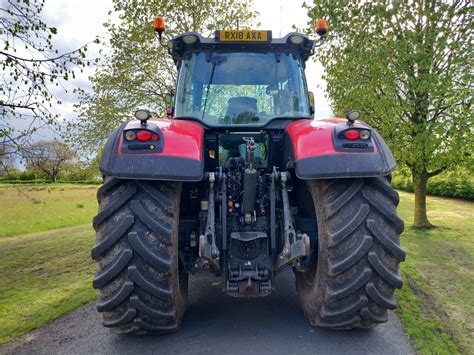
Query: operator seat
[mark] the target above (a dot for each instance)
(241, 110)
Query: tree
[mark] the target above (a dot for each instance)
(49, 158)
(31, 67)
(7, 161)
(82, 171)
(407, 66)
(138, 72)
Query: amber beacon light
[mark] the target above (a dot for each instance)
(321, 27)
(159, 25)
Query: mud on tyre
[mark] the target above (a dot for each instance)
(353, 273)
(142, 286)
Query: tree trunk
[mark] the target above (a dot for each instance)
(420, 180)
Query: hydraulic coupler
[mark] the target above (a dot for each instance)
(250, 190)
(250, 182)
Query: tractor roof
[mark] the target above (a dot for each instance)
(240, 41)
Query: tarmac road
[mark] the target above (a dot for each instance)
(215, 323)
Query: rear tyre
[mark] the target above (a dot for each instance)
(143, 288)
(353, 274)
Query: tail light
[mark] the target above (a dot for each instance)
(351, 134)
(355, 134)
(141, 135)
(144, 136)
(353, 139)
(140, 138)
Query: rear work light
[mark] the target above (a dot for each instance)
(190, 39)
(296, 39)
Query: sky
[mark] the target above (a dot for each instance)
(80, 21)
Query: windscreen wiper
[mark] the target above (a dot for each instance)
(215, 60)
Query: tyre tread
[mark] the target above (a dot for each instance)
(113, 237)
(136, 230)
(359, 251)
(112, 270)
(347, 229)
(116, 299)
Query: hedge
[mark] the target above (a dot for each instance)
(43, 181)
(66, 177)
(458, 185)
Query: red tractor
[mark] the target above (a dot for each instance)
(244, 182)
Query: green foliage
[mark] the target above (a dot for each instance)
(49, 158)
(459, 184)
(81, 171)
(137, 71)
(406, 65)
(72, 172)
(43, 181)
(21, 176)
(405, 70)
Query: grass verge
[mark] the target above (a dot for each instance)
(36, 208)
(436, 301)
(42, 276)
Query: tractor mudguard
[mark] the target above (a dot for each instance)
(173, 153)
(321, 151)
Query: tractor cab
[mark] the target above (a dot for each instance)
(241, 80)
(236, 80)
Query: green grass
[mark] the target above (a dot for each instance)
(42, 276)
(36, 208)
(46, 274)
(436, 302)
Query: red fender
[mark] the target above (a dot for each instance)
(176, 156)
(319, 152)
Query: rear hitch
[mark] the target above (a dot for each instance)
(249, 275)
(296, 245)
(207, 242)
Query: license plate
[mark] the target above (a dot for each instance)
(243, 36)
